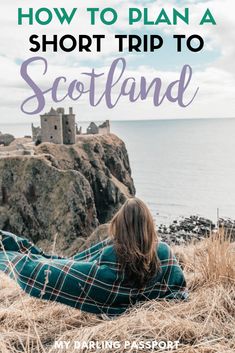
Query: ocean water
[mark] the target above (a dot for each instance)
(180, 167)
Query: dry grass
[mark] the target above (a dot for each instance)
(204, 324)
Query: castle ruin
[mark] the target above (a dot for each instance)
(58, 127)
(101, 129)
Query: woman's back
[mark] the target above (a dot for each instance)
(108, 285)
(109, 277)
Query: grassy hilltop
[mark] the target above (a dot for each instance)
(204, 324)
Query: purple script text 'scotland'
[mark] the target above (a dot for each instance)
(115, 86)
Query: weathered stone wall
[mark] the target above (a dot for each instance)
(36, 132)
(104, 128)
(69, 129)
(52, 128)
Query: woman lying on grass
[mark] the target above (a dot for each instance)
(130, 266)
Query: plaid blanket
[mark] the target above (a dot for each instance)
(91, 280)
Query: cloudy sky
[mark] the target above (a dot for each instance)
(213, 67)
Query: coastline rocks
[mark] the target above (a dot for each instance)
(192, 224)
(194, 228)
(186, 230)
(64, 192)
(227, 225)
(6, 139)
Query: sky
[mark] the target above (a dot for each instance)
(213, 67)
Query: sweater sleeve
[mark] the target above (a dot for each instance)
(12, 242)
(172, 276)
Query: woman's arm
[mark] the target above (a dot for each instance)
(12, 242)
(63, 280)
(171, 275)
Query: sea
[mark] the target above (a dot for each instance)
(180, 167)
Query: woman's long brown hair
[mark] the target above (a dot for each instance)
(135, 241)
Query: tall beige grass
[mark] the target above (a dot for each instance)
(203, 324)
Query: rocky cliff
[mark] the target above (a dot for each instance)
(64, 192)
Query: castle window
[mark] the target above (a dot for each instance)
(55, 127)
(45, 119)
(67, 123)
(51, 137)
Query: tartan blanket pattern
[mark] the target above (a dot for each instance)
(90, 280)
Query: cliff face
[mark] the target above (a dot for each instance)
(64, 190)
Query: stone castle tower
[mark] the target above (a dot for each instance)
(58, 127)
